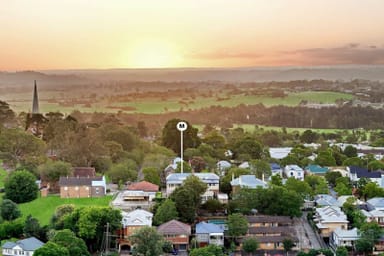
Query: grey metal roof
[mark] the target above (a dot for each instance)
(208, 228)
(78, 181)
(28, 244)
(249, 181)
(178, 178)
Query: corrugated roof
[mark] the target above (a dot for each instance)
(208, 228)
(28, 244)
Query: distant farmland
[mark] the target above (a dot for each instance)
(51, 102)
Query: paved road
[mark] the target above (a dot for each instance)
(313, 238)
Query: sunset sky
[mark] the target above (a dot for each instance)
(70, 34)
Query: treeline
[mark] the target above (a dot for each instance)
(345, 117)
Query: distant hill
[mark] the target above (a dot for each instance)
(53, 78)
(26, 78)
(345, 73)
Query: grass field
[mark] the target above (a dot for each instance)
(43, 207)
(156, 105)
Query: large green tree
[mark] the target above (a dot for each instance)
(237, 225)
(9, 210)
(21, 187)
(147, 241)
(20, 147)
(51, 249)
(248, 148)
(165, 212)
(124, 171)
(188, 198)
(51, 171)
(75, 246)
(6, 113)
(31, 227)
(171, 137)
(260, 168)
(89, 223)
(250, 245)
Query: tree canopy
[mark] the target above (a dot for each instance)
(21, 187)
(171, 137)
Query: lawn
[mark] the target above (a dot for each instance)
(43, 207)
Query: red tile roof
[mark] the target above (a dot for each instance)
(144, 186)
(174, 227)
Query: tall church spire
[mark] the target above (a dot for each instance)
(35, 104)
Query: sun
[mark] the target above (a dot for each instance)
(151, 53)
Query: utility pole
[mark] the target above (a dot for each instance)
(181, 126)
(107, 239)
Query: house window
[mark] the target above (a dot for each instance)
(291, 174)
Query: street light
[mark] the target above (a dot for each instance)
(181, 126)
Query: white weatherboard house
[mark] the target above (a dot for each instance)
(24, 247)
(343, 237)
(137, 217)
(295, 171)
(209, 233)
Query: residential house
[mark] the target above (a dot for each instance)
(74, 187)
(328, 219)
(276, 169)
(21, 247)
(222, 166)
(356, 173)
(294, 171)
(177, 233)
(326, 200)
(131, 222)
(376, 203)
(279, 153)
(247, 181)
(148, 188)
(271, 231)
(268, 221)
(374, 215)
(175, 180)
(137, 195)
(314, 169)
(244, 165)
(172, 167)
(343, 237)
(209, 233)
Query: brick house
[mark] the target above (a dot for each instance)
(271, 231)
(74, 187)
(177, 233)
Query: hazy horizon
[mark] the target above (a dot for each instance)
(79, 34)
